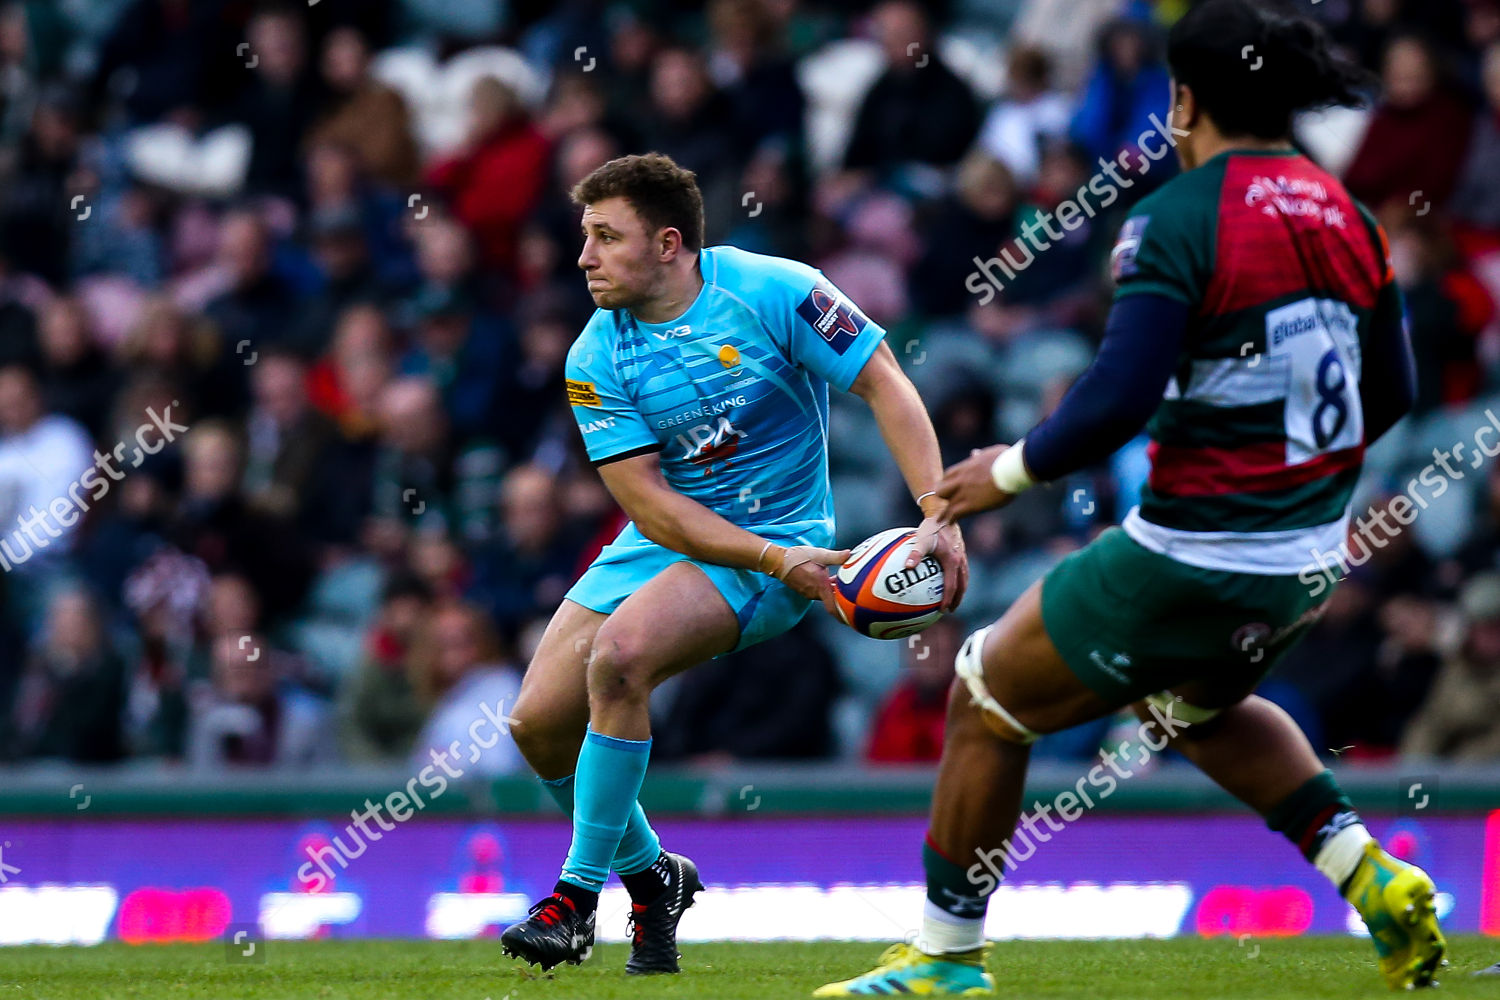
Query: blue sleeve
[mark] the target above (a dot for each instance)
(828, 334)
(1113, 399)
(611, 426)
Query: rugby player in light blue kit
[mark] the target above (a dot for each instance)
(701, 389)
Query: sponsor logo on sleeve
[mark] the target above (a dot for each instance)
(836, 319)
(1122, 262)
(581, 393)
(602, 424)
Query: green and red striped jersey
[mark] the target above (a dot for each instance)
(1260, 435)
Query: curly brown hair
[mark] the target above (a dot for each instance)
(665, 195)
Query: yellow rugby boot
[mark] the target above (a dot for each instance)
(1396, 901)
(903, 969)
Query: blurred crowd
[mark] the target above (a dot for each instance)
(287, 475)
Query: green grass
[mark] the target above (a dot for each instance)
(1299, 968)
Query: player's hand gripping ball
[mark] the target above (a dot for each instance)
(875, 593)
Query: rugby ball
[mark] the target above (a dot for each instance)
(875, 593)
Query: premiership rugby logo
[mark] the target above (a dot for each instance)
(581, 393)
(833, 316)
(1122, 258)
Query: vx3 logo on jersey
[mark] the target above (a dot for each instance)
(676, 331)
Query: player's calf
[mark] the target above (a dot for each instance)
(549, 747)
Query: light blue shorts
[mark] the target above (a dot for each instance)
(764, 606)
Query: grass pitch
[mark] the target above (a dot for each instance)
(1300, 968)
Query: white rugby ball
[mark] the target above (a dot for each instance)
(878, 596)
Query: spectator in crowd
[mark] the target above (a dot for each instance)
(692, 121)
(345, 383)
(918, 110)
(467, 352)
(971, 224)
(167, 49)
(214, 522)
(281, 102)
(76, 376)
(285, 438)
(908, 726)
(1414, 148)
(365, 115)
(469, 683)
(1457, 720)
(379, 712)
(168, 346)
(338, 189)
(421, 470)
(42, 456)
(757, 77)
(496, 178)
(259, 307)
(1126, 87)
(1067, 30)
(342, 254)
(773, 701)
(71, 700)
(548, 328)
(528, 568)
(1446, 302)
(1480, 551)
(1477, 201)
(1029, 116)
(446, 264)
(36, 207)
(20, 296)
(1056, 289)
(250, 717)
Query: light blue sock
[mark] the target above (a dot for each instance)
(640, 846)
(610, 772)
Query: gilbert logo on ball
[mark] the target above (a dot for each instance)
(879, 596)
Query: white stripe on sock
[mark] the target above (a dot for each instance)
(942, 932)
(1340, 854)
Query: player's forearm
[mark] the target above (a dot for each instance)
(681, 524)
(908, 433)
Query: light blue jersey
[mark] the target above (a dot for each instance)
(733, 395)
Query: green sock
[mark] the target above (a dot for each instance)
(950, 889)
(1312, 814)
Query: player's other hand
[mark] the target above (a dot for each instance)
(968, 486)
(943, 541)
(804, 568)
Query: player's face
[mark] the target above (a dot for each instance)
(621, 258)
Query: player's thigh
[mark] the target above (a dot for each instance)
(675, 620)
(1132, 623)
(554, 690)
(1029, 678)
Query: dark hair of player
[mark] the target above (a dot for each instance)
(662, 193)
(1251, 66)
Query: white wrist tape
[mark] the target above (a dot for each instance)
(1009, 471)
